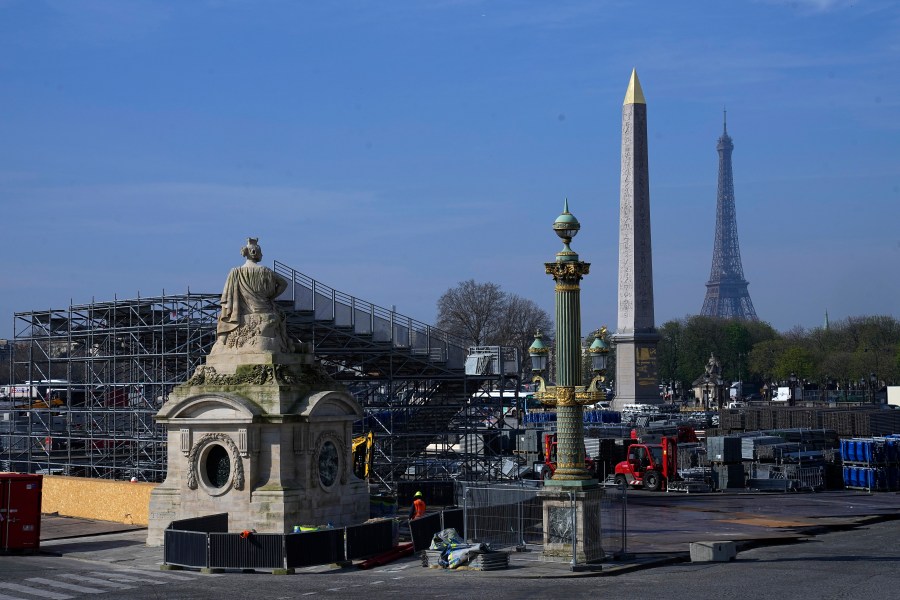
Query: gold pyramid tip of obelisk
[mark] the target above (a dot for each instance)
(634, 95)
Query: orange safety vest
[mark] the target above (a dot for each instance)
(418, 508)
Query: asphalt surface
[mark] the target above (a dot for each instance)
(823, 545)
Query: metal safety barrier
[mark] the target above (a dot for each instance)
(314, 548)
(765, 476)
(185, 548)
(202, 543)
(512, 516)
(368, 539)
(256, 551)
(422, 530)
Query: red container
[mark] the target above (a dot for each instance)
(20, 511)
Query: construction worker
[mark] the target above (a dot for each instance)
(418, 506)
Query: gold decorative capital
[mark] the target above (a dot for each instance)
(550, 395)
(567, 270)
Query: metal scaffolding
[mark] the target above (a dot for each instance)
(95, 376)
(97, 373)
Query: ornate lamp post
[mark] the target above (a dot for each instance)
(571, 499)
(568, 397)
(720, 392)
(793, 381)
(706, 402)
(873, 383)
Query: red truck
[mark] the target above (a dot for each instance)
(652, 466)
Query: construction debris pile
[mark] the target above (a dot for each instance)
(448, 550)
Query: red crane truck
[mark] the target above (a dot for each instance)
(651, 466)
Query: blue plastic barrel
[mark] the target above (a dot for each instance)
(845, 456)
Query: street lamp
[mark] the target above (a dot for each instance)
(873, 382)
(599, 352)
(706, 392)
(538, 353)
(793, 381)
(567, 396)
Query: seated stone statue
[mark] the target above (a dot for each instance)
(249, 320)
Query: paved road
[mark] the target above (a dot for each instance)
(856, 564)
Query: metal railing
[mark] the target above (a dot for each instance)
(789, 476)
(365, 318)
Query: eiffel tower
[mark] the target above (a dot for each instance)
(726, 291)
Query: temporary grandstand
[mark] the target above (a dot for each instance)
(97, 373)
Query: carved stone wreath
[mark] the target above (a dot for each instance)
(237, 467)
(339, 444)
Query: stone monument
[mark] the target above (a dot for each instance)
(259, 431)
(636, 336)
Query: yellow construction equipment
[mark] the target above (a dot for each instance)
(363, 450)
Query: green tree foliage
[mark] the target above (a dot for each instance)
(685, 346)
(764, 357)
(795, 360)
(848, 351)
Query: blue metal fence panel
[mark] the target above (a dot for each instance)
(256, 551)
(370, 538)
(314, 548)
(185, 548)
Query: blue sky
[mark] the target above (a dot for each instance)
(393, 149)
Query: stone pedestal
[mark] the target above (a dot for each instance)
(572, 515)
(265, 437)
(637, 378)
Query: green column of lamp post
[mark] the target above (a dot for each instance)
(568, 397)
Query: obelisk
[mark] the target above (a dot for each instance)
(636, 336)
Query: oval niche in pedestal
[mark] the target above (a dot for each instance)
(218, 466)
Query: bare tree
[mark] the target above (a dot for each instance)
(472, 311)
(484, 315)
(521, 318)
